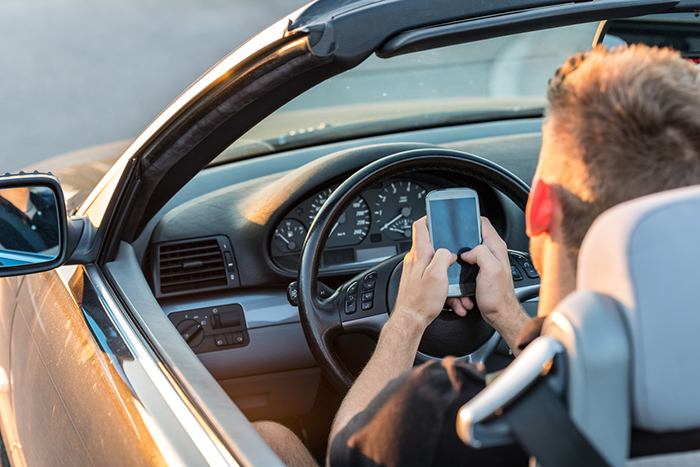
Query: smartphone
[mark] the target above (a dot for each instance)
(454, 222)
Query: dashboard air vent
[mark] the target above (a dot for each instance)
(192, 266)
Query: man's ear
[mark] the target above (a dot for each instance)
(540, 205)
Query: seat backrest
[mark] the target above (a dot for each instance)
(644, 255)
(629, 334)
(598, 359)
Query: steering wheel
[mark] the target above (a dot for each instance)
(323, 319)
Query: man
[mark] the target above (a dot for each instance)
(620, 124)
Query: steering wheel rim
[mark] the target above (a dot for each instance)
(321, 318)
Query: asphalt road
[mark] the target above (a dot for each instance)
(78, 73)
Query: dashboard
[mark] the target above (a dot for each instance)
(259, 211)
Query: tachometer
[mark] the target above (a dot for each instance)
(353, 225)
(396, 208)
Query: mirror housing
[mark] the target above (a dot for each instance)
(33, 224)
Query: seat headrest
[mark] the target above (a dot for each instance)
(644, 254)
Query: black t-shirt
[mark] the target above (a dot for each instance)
(412, 421)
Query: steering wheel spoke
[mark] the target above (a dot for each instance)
(369, 295)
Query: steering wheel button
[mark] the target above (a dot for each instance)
(367, 296)
(293, 294)
(352, 289)
(516, 274)
(350, 308)
(531, 273)
(369, 285)
(351, 298)
(371, 276)
(367, 305)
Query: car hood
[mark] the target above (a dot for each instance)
(80, 171)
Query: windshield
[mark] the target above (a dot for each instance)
(490, 79)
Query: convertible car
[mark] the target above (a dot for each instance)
(240, 256)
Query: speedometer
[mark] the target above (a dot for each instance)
(353, 224)
(397, 207)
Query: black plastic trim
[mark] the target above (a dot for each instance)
(687, 5)
(524, 21)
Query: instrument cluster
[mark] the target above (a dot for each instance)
(377, 225)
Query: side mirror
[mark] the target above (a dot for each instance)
(33, 224)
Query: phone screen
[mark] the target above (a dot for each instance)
(455, 225)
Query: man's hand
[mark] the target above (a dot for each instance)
(424, 283)
(494, 286)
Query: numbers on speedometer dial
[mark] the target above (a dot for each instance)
(397, 207)
(353, 225)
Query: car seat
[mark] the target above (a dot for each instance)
(618, 354)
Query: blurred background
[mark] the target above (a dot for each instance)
(80, 73)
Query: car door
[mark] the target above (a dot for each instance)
(71, 404)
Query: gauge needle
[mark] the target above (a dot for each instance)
(391, 222)
(340, 221)
(282, 237)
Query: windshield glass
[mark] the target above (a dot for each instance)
(490, 79)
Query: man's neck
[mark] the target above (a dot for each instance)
(558, 278)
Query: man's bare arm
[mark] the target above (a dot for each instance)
(422, 294)
(394, 355)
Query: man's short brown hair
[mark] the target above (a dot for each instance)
(626, 123)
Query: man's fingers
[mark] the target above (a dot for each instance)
(467, 302)
(422, 249)
(481, 256)
(457, 306)
(461, 305)
(490, 237)
(442, 260)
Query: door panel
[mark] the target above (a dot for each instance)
(45, 429)
(73, 403)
